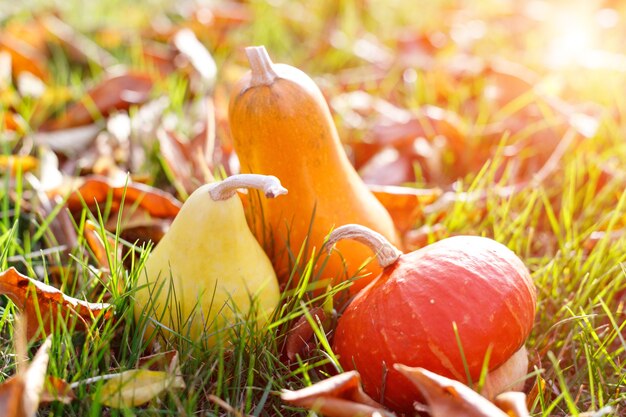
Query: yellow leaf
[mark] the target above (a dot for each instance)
(137, 386)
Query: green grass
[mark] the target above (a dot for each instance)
(568, 228)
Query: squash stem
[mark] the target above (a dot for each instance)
(262, 67)
(227, 188)
(386, 253)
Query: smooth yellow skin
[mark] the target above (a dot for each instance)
(203, 274)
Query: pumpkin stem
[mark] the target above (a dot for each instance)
(262, 67)
(386, 253)
(227, 188)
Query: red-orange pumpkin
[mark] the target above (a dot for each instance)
(409, 314)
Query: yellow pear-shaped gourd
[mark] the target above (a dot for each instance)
(203, 275)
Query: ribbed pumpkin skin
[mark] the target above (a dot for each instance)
(406, 316)
(285, 129)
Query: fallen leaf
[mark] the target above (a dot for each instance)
(24, 57)
(449, 398)
(11, 394)
(428, 122)
(160, 57)
(506, 81)
(140, 235)
(137, 386)
(224, 14)
(21, 394)
(300, 334)
(512, 403)
(43, 304)
(199, 57)
(71, 141)
(404, 204)
(389, 167)
(96, 190)
(161, 361)
(96, 244)
(227, 407)
(338, 396)
(12, 122)
(189, 160)
(116, 92)
(57, 389)
(418, 238)
(79, 47)
(15, 163)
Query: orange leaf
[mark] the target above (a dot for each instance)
(14, 163)
(57, 389)
(24, 57)
(449, 398)
(97, 246)
(404, 203)
(114, 93)
(21, 394)
(41, 301)
(11, 393)
(95, 190)
(337, 396)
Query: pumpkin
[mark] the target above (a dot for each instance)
(464, 301)
(282, 126)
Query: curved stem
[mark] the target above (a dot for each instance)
(386, 253)
(227, 188)
(262, 67)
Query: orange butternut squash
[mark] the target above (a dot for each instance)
(281, 125)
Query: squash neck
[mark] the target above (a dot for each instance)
(262, 67)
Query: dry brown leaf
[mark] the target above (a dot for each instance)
(224, 14)
(137, 386)
(140, 235)
(20, 395)
(449, 398)
(389, 167)
(537, 391)
(512, 403)
(160, 57)
(161, 361)
(226, 407)
(97, 246)
(428, 122)
(11, 393)
(506, 81)
(418, 238)
(79, 47)
(190, 160)
(70, 141)
(117, 92)
(300, 334)
(24, 57)
(195, 52)
(57, 389)
(95, 190)
(404, 203)
(42, 304)
(337, 396)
